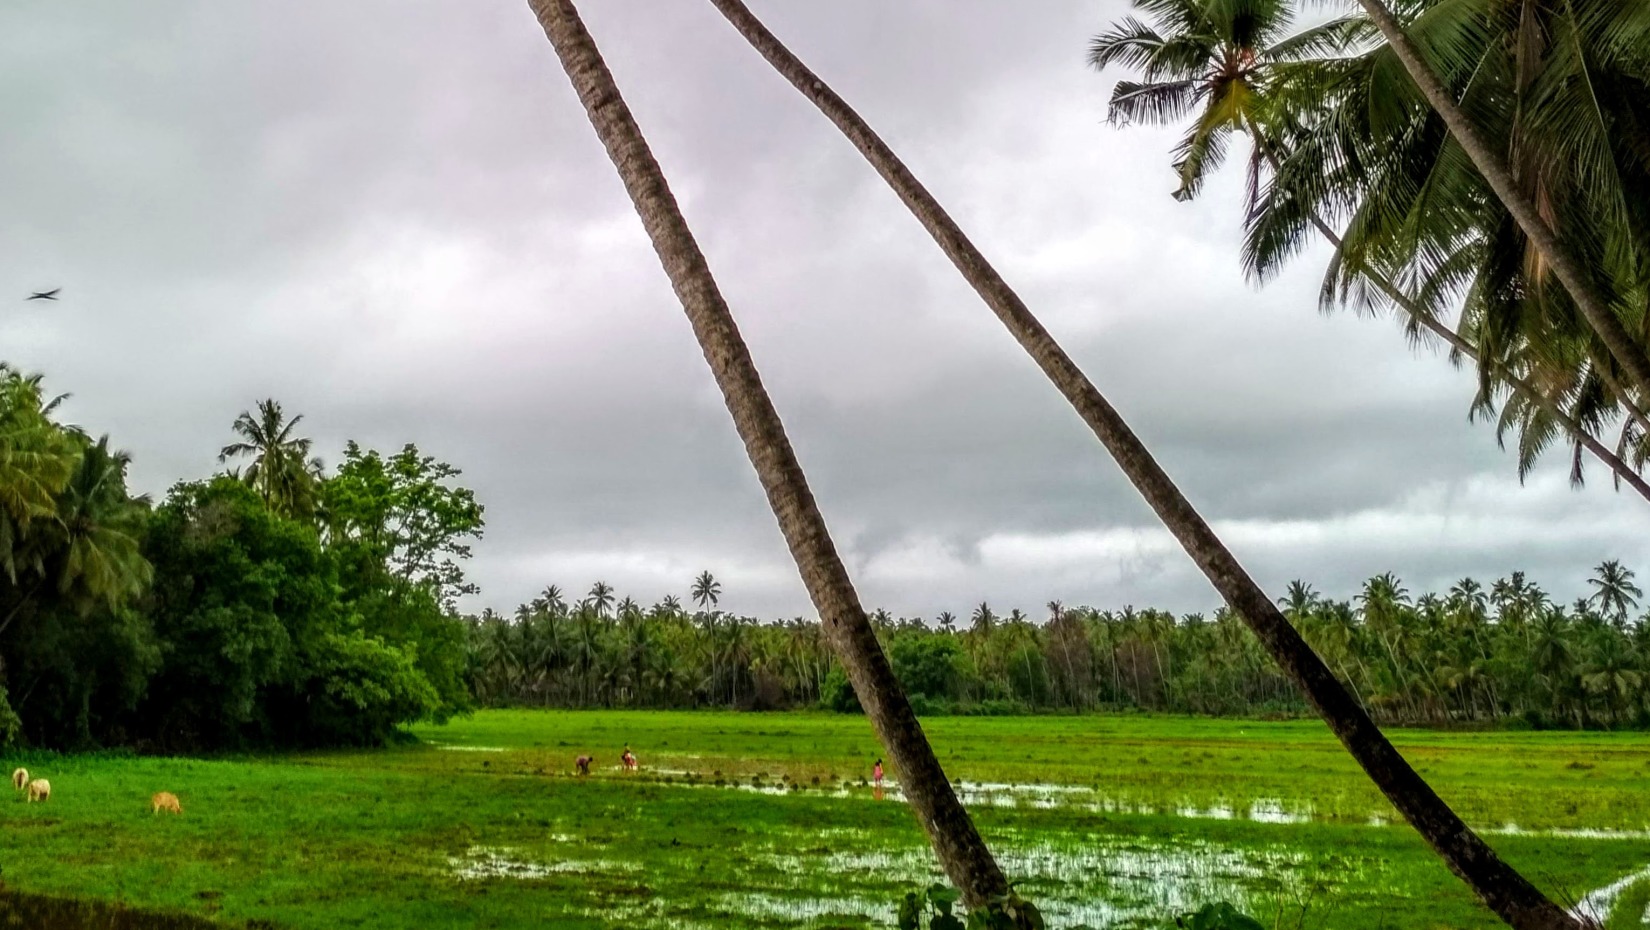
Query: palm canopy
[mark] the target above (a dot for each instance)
(1344, 138)
(1614, 592)
(282, 470)
(1563, 89)
(101, 531)
(37, 459)
(1215, 61)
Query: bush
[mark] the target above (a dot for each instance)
(837, 693)
(924, 706)
(1001, 707)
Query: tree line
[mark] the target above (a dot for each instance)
(274, 604)
(1475, 654)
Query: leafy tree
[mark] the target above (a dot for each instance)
(238, 590)
(258, 647)
(403, 517)
(928, 665)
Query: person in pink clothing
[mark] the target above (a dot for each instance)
(876, 773)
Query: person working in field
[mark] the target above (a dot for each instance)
(629, 759)
(582, 764)
(876, 773)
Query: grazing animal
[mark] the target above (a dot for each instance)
(20, 779)
(40, 790)
(45, 295)
(582, 763)
(165, 801)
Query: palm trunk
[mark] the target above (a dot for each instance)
(960, 848)
(1503, 889)
(1518, 384)
(1634, 409)
(1493, 167)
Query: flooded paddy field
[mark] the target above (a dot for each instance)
(767, 820)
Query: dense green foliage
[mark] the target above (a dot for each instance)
(1469, 655)
(1110, 821)
(276, 606)
(1343, 146)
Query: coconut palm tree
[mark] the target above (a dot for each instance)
(1571, 131)
(1233, 68)
(1614, 592)
(1373, 151)
(1216, 63)
(99, 534)
(1505, 891)
(600, 598)
(37, 460)
(707, 591)
(961, 850)
(282, 470)
(1298, 599)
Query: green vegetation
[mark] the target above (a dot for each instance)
(275, 606)
(1344, 146)
(1471, 655)
(750, 820)
(1481, 161)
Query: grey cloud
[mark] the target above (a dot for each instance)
(392, 215)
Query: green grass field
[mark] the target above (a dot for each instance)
(761, 820)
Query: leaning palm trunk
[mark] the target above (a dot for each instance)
(1629, 354)
(1502, 888)
(960, 848)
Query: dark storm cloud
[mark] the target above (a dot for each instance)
(392, 215)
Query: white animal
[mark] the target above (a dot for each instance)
(20, 779)
(40, 790)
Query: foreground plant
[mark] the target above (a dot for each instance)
(932, 909)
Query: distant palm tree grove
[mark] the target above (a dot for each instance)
(1504, 652)
(280, 604)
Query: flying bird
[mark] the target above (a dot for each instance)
(45, 295)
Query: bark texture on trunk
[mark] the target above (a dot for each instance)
(1629, 354)
(960, 848)
(1502, 888)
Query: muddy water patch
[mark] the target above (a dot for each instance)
(1597, 905)
(778, 907)
(1101, 882)
(506, 862)
(1570, 833)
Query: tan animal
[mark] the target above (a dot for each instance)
(39, 790)
(20, 779)
(165, 801)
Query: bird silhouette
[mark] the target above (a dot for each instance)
(45, 295)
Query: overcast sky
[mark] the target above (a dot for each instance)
(393, 216)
